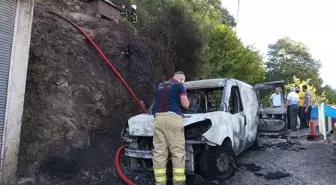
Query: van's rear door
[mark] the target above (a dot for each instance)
(272, 119)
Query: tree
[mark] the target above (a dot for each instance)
(173, 41)
(226, 56)
(288, 58)
(330, 94)
(315, 96)
(197, 37)
(227, 18)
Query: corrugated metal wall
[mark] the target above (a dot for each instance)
(7, 22)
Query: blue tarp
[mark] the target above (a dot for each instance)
(329, 111)
(314, 112)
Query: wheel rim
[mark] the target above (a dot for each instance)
(223, 162)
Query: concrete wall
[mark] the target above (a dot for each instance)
(329, 125)
(16, 90)
(321, 120)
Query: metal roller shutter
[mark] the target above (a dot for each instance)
(7, 22)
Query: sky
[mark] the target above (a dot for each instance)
(263, 22)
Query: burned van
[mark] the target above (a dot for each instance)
(220, 123)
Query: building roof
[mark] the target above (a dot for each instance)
(109, 2)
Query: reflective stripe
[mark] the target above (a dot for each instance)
(178, 170)
(161, 179)
(179, 178)
(160, 171)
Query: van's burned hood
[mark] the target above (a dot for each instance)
(142, 125)
(223, 125)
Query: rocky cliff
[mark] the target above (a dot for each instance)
(74, 105)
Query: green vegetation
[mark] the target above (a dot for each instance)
(291, 61)
(316, 97)
(197, 36)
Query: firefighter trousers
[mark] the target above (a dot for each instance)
(169, 137)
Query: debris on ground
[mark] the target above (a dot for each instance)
(251, 167)
(272, 175)
(276, 175)
(60, 167)
(281, 143)
(312, 137)
(259, 174)
(290, 141)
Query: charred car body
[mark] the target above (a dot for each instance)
(221, 122)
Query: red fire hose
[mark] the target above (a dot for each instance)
(117, 166)
(117, 156)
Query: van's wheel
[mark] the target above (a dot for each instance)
(218, 162)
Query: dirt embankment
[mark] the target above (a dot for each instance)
(75, 107)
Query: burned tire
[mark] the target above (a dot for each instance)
(218, 162)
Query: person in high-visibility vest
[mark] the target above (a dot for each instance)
(303, 122)
(170, 98)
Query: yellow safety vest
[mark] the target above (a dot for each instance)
(301, 97)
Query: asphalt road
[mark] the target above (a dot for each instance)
(290, 160)
(306, 163)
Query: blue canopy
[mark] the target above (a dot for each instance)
(329, 111)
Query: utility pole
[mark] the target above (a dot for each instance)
(237, 16)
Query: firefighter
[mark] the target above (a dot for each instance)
(170, 98)
(134, 17)
(124, 11)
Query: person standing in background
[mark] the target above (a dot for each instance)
(124, 12)
(293, 108)
(307, 103)
(275, 99)
(303, 123)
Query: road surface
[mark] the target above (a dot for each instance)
(306, 163)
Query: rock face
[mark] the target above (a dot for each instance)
(72, 95)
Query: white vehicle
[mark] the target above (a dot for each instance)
(221, 122)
